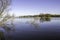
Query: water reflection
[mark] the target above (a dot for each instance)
(9, 28)
(6, 28)
(36, 21)
(2, 36)
(45, 19)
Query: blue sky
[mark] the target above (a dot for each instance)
(33, 7)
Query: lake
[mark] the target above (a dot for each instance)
(31, 28)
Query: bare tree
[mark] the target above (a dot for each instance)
(3, 6)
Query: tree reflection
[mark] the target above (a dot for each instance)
(2, 36)
(7, 28)
(35, 22)
(43, 19)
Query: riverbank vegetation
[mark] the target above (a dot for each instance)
(41, 15)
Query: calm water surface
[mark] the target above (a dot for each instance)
(28, 28)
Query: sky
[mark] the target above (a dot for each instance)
(34, 7)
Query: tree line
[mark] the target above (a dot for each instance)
(41, 15)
